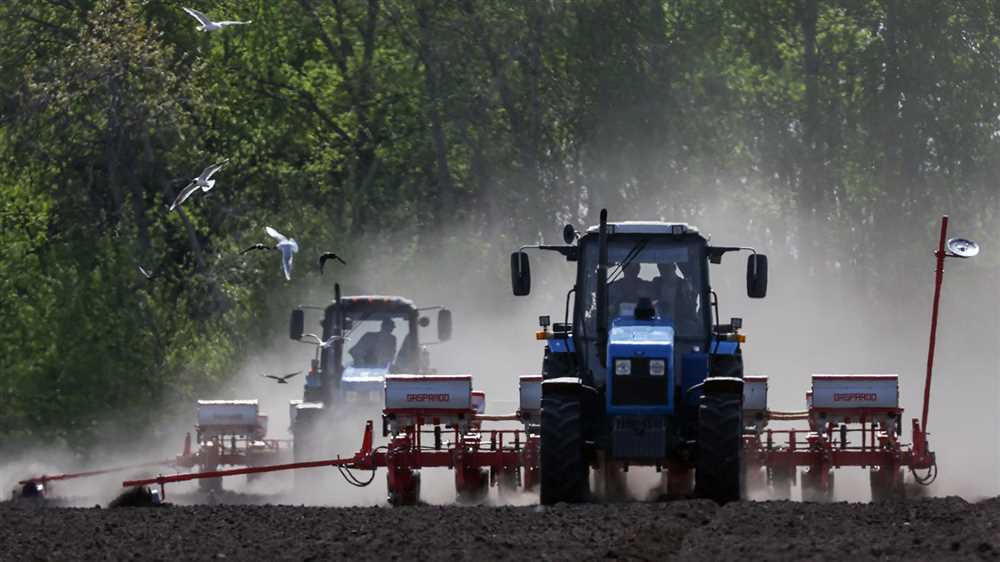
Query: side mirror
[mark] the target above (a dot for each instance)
(757, 276)
(569, 234)
(424, 321)
(520, 274)
(296, 324)
(444, 324)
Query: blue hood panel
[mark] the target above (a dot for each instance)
(641, 341)
(363, 379)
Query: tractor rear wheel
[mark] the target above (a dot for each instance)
(719, 473)
(564, 470)
(727, 366)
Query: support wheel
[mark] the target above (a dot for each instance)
(817, 485)
(719, 475)
(404, 489)
(781, 482)
(886, 484)
(31, 490)
(305, 447)
(507, 479)
(564, 470)
(210, 484)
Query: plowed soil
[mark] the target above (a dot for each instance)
(925, 529)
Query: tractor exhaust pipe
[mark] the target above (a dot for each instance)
(602, 288)
(331, 374)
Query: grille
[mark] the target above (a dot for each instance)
(639, 388)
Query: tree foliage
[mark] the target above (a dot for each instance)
(343, 120)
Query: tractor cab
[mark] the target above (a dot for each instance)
(363, 339)
(662, 264)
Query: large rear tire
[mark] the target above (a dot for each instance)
(564, 469)
(719, 473)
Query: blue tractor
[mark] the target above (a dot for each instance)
(643, 374)
(356, 349)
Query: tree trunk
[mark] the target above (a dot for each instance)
(445, 189)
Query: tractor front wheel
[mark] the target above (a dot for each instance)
(564, 470)
(719, 473)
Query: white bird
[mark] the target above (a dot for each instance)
(287, 246)
(203, 181)
(209, 25)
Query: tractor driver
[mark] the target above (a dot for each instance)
(675, 298)
(376, 349)
(625, 292)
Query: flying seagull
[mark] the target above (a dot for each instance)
(283, 379)
(147, 274)
(287, 246)
(329, 256)
(209, 25)
(203, 181)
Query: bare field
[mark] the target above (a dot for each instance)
(934, 528)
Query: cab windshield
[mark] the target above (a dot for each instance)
(664, 269)
(380, 340)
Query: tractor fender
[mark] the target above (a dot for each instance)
(723, 385)
(572, 385)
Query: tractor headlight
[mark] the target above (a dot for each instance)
(623, 366)
(657, 367)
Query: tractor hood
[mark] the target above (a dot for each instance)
(363, 379)
(628, 332)
(640, 366)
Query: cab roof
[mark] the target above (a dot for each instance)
(647, 227)
(375, 303)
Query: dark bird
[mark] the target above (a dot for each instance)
(282, 379)
(257, 246)
(329, 256)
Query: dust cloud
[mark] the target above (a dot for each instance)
(845, 322)
(810, 323)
